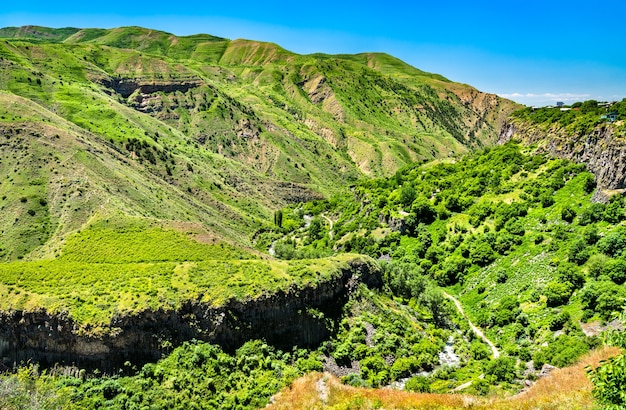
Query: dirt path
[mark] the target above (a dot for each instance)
(477, 331)
(330, 222)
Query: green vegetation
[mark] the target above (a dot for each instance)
(141, 169)
(124, 267)
(513, 234)
(194, 376)
(609, 377)
(580, 118)
(204, 129)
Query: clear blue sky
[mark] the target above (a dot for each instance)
(534, 52)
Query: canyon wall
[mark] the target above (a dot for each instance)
(601, 150)
(296, 317)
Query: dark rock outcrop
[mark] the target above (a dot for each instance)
(601, 150)
(127, 86)
(287, 318)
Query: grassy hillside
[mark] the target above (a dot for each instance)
(124, 267)
(578, 119)
(144, 171)
(514, 235)
(206, 129)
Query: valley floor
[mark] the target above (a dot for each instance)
(567, 388)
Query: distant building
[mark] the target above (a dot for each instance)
(609, 117)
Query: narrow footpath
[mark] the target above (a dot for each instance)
(330, 222)
(477, 331)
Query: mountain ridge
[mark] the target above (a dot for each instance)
(179, 109)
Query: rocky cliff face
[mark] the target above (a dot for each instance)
(601, 151)
(127, 86)
(295, 317)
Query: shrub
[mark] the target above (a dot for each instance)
(419, 384)
(590, 234)
(608, 381)
(616, 270)
(563, 351)
(559, 321)
(569, 273)
(568, 214)
(613, 243)
(423, 211)
(578, 252)
(515, 227)
(501, 369)
(589, 183)
(481, 253)
(595, 265)
(591, 214)
(502, 276)
(557, 293)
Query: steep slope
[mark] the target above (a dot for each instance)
(207, 129)
(512, 234)
(590, 133)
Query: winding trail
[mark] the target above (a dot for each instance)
(330, 222)
(475, 329)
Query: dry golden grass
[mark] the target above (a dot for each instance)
(567, 388)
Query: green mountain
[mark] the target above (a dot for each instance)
(205, 220)
(204, 129)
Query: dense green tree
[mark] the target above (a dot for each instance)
(407, 195)
(593, 213)
(578, 252)
(614, 211)
(315, 229)
(613, 243)
(481, 253)
(557, 293)
(589, 183)
(423, 211)
(616, 270)
(501, 369)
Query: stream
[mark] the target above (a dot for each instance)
(447, 357)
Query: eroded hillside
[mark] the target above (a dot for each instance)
(206, 129)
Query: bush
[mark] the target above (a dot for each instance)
(608, 381)
(501, 369)
(595, 265)
(568, 214)
(589, 184)
(569, 273)
(559, 321)
(616, 270)
(563, 351)
(578, 252)
(481, 253)
(419, 384)
(502, 276)
(557, 293)
(613, 243)
(590, 234)
(593, 213)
